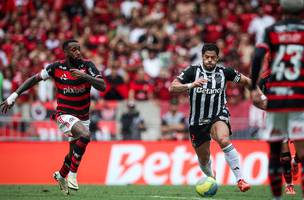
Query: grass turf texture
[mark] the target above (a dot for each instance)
(132, 192)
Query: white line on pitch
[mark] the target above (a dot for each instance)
(166, 197)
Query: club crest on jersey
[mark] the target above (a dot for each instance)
(218, 77)
(64, 77)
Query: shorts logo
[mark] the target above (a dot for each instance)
(297, 130)
(71, 120)
(204, 121)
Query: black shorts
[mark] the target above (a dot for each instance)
(201, 133)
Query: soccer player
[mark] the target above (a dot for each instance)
(209, 115)
(73, 80)
(284, 40)
(289, 164)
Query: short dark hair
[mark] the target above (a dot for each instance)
(210, 47)
(66, 43)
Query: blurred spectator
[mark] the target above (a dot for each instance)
(126, 7)
(141, 88)
(1, 87)
(161, 85)
(132, 124)
(52, 42)
(259, 23)
(152, 63)
(116, 87)
(174, 125)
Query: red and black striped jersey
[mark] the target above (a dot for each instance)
(284, 41)
(73, 94)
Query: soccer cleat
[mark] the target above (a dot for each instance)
(72, 181)
(243, 185)
(295, 171)
(289, 189)
(63, 185)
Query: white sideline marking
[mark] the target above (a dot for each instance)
(166, 197)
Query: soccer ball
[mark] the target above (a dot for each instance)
(206, 187)
(292, 5)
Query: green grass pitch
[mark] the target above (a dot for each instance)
(131, 192)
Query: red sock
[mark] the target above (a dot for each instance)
(286, 164)
(65, 167)
(275, 169)
(79, 149)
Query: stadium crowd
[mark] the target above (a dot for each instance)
(139, 46)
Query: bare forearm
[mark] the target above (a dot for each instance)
(29, 83)
(97, 83)
(177, 87)
(245, 81)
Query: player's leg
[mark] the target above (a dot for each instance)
(203, 155)
(296, 133)
(299, 145)
(64, 170)
(275, 169)
(220, 133)
(200, 139)
(295, 167)
(79, 130)
(285, 159)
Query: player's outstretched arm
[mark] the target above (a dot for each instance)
(97, 82)
(9, 102)
(177, 87)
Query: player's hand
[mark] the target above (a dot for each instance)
(259, 99)
(9, 102)
(77, 73)
(198, 83)
(5, 107)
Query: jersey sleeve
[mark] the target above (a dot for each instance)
(48, 72)
(232, 74)
(93, 71)
(187, 75)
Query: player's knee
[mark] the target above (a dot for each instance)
(85, 135)
(223, 141)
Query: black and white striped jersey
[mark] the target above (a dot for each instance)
(208, 100)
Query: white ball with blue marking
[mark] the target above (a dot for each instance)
(206, 187)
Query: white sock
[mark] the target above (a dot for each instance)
(277, 198)
(207, 169)
(232, 158)
(72, 174)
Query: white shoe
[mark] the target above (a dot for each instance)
(72, 181)
(63, 185)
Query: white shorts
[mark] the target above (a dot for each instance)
(281, 126)
(66, 122)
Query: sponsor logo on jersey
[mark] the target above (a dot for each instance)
(208, 91)
(64, 77)
(74, 90)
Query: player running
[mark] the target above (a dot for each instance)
(284, 40)
(209, 115)
(73, 80)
